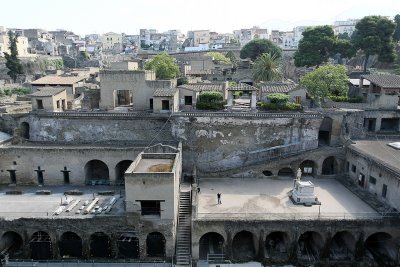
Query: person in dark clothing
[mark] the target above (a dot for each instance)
(219, 198)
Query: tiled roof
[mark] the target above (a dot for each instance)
(47, 91)
(384, 80)
(283, 88)
(242, 87)
(198, 72)
(165, 92)
(200, 87)
(57, 80)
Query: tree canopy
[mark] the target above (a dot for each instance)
(315, 47)
(12, 61)
(257, 47)
(326, 80)
(374, 36)
(219, 58)
(164, 66)
(396, 35)
(267, 67)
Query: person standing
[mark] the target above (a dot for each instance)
(219, 198)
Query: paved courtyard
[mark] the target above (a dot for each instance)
(268, 199)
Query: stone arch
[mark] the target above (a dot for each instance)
(329, 166)
(267, 173)
(100, 245)
(243, 246)
(342, 246)
(325, 131)
(308, 167)
(41, 246)
(310, 244)
(155, 245)
(70, 245)
(96, 172)
(11, 243)
(381, 247)
(286, 172)
(277, 245)
(128, 246)
(25, 130)
(120, 170)
(210, 243)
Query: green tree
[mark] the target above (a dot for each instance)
(218, 57)
(13, 63)
(231, 57)
(374, 36)
(267, 67)
(164, 66)
(343, 36)
(317, 44)
(257, 47)
(326, 80)
(396, 35)
(345, 48)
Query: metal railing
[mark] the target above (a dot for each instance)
(299, 216)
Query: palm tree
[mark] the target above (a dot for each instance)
(267, 67)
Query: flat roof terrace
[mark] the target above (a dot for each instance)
(29, 204)
(267, 199)
(154, 165)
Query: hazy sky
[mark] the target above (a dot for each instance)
(100, 16)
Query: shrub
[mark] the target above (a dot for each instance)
(274, 106)
(210, 100)
(357, 99)
(277, 98)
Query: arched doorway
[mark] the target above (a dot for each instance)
(12, 244)
(120, 170)
(286, 173)
(310, 244)
(329, 166)
(70, 245)
(24, 128)
(308, 167)
(342, 246)
(100, 245)
(210, 243)
(243, 246)
(96, 172)
(381, 248)
(155, 245)
(276, 246)
(325, 130)
(128, 246)
(267, 173)
(41, 246)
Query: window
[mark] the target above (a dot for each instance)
(58, 103)
(347, 166)
(188, 100)
(150, 207)
(384, 190)
(298, 99)
(353, 168)
(165, 104)
(39, 103)
(372, 180)
(151, 103)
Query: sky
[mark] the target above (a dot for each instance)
(223, 16)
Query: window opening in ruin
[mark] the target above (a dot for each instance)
(369, 124)
(390, 124)
(384, 190)
(124, 97)
(361, 179)
(128, 246)
(151, 103)
(188, 100)
(100, 245)
(12, 244)
(324, 134)
(58, 103)
(372, 180)
(150, 207)
(40, 178)
(70, 245)
(155, 245)
(211, 243)
(353, 168)
(25, 130)
(13, 176)
(39, 103)
(165, 104)
(65, 173)
(41, 246)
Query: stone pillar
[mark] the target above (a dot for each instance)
(253, 101)
(378, 124)
(261, 245)
(228, 246)
(230, 99)
(86, 246)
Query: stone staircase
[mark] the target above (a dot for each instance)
(183, 233)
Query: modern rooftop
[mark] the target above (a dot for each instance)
(57, 80)
(267, 199)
